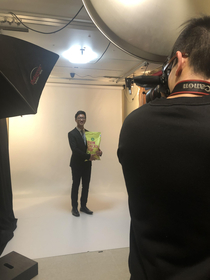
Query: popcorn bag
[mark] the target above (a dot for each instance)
(93, 142)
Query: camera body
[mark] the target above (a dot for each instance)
(157, 85)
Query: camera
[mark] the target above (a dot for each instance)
(157, 86)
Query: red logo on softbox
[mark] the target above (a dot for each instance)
(35, 73)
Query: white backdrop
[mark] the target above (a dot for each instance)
(39, 148)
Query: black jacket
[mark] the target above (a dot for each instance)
(78, 147)
(164, 151)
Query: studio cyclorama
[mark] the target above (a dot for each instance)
(104, 140)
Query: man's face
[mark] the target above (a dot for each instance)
(80, 120)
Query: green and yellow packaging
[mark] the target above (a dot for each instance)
(93, 142)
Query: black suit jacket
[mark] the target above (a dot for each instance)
(78, 147)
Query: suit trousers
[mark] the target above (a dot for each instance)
(83, 172)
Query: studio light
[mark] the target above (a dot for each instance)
(130, 2)
(81, 55)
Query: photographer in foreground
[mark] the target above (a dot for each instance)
(164, 149)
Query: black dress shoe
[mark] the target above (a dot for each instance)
(75, 212)
(86, 210)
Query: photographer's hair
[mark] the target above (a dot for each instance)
(79, 113)
(195, 41)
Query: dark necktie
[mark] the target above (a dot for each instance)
(83, 136)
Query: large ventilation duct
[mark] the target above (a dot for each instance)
(145, 29)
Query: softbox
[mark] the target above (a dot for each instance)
(24, 70)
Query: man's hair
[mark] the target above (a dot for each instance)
(79, 113)
(195, 40)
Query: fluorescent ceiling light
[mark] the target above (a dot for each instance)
(78, 54)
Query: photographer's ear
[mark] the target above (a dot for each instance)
(180, 63)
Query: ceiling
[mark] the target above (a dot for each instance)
(110, 68)
(143, 28)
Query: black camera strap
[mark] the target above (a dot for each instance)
(197, 87)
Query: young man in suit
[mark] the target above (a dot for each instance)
(80, 164)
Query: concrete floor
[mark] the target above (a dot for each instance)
(101, 265)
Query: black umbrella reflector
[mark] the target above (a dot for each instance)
(24, 70)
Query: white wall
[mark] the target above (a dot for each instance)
(39, 148)
(130, 101)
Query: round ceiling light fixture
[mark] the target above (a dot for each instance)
(80, 55)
